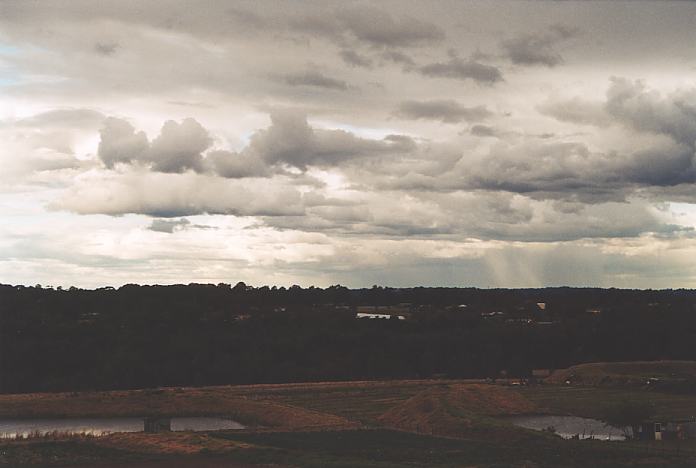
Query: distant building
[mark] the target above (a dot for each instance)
(362, 315)
(541, 305)
(671, 430)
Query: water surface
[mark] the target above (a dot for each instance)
(11, 428)
(571, 426)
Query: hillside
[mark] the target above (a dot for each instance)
(658, 373)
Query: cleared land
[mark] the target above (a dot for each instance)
(438, 423)
(626, 373)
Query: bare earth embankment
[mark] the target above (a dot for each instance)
(438, 423)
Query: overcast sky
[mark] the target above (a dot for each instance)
(481, 143)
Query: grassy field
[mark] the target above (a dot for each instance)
(436, 423)
(591, 401)
(378, 448)
(625, 373)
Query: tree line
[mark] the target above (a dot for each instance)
(55, 339)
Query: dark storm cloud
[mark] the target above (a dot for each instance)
(645, 110)
(354, 59)
(538, 48)
(632, 105)
(458, 69)
(314, 79)
(445, 110)
(168, 226)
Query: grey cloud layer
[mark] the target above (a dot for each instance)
(538, 48)
(314, 79)
(372, 26)
(445, 110)
(430, 132)
(458, 69)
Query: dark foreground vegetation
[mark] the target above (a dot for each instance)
(376, 448)
(385, 424)
(149, 336)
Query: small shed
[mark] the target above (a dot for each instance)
(155, 425)
(670, 430)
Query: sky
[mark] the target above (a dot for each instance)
(398, 143)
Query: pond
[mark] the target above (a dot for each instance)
(570, 426)
(11, 428)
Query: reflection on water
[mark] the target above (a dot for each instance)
(571, 426)
(11, 428)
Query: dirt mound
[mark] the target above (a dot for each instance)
(454, 410)
(625, 373)
(281, 416)
(170, 443)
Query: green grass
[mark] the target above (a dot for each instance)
(41, 453)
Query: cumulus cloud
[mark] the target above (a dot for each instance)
(633, 104)
(179, 146)
(120, 143)
(445, 110)
(288, 142)
(458, 69)
(538, 48)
